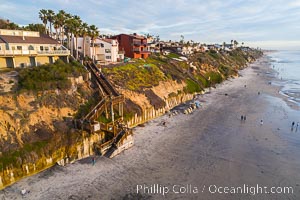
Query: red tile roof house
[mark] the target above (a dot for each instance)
(20, 48)
(135, 46)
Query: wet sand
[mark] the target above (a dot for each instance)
(198, 152)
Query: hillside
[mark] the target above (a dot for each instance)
(38, 105)
(150, 83)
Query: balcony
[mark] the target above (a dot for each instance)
(17, 52)
(136, 50)
(32, 52)
(55, 52)
(137, 44)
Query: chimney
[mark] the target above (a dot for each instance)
(23, 35)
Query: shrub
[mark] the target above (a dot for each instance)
(203, 81)
(192, 86)
(225, 70)
(138, 75)
(213, 54)
(214, 77)
(49, 76)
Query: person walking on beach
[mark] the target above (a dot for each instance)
(292, 127)
(245, 118)
(242, 117)
(93, 161)
(261, 122)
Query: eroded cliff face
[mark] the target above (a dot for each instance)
(36, 129)
(173, 81)
(162, 98)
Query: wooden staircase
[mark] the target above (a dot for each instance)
(109, 98)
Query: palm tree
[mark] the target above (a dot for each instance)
(72, 27)
(56, 26)
(68, 27)
(76, 30)
(84, 32)
(224, 44)
(62, 16)
(235, 43)
(50, 18)
(93, 33)
(59, 22)
(182, 39)
(43, 16)
(157, 40)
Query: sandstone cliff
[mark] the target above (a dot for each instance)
(36, 129)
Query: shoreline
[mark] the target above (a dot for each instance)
(186, 150)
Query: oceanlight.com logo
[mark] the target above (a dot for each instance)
(246, 189)
(190, 189)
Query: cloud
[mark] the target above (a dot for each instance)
(200, 20)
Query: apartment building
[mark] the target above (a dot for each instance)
(135, 46)
(20, 48)
(103, 51)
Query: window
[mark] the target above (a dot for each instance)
(108, 57)
(30, 47)
(102, 45)
(13, 48)
(19, 47)
(46, 48)
(41, 48)
(107, 51)
(0, 48)
(79, 47)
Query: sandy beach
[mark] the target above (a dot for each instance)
(194, 156)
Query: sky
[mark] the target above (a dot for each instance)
(269, 24)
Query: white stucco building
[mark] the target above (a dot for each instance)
(104, 51)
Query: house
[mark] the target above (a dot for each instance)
(227, 47)
(107, 51)
(187, 50)
(20, 48)
(172, 49)
(103, 51)
(135, 46)
(214, 47)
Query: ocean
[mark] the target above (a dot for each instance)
(287, 65)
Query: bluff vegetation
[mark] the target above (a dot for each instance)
(36, 128)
